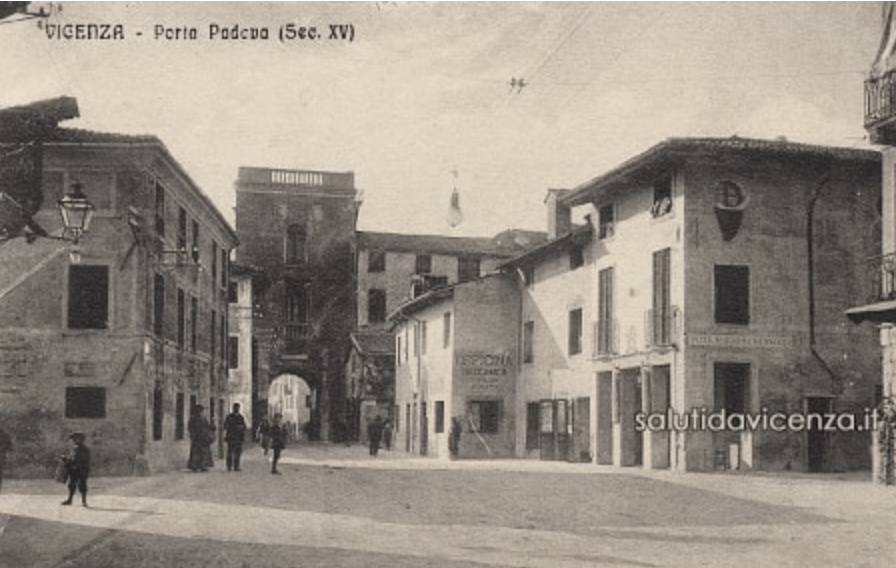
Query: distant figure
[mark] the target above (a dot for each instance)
(5, 447)
(387, 435)
(78, 466)
(264, 428)
(201, 438)
(277, 434)
(454, 437)
(234, 435)
(375, 435)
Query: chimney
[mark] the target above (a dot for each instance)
(559, 214)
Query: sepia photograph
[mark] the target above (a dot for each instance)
(447, 284)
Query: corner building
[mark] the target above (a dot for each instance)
(709, 274)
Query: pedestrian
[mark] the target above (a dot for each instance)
(234, 435)
(387, 435)
(5, 447)
(375, 435)
(277, 434)
(201, 438)
(78, 466)
(454, 438)
(263, 434)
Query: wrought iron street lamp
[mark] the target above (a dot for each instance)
(77, 212)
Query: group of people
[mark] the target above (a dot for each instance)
(273, 436)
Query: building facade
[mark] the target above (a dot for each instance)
(121, 337)
(296, 229)
(710, 279)
(455, 354)
(877, 305)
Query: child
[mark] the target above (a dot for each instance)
(78, 462)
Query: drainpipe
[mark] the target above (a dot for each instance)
(810, 246)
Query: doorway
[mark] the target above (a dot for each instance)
(817, 440)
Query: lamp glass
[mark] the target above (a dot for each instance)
(76, 209)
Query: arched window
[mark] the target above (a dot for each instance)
(295, 250)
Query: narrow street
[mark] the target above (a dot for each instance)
(336, 506)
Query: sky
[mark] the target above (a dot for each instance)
(419, 101)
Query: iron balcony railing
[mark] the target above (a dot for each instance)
(880, 98)
(881, 278)
(662, 326)
(606, 337)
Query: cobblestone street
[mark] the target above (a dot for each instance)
(336, 506)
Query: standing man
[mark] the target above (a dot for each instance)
(5, 446)
(78, 464)
(202, 435)
(234, 435)
(277, 435)
(375, 435)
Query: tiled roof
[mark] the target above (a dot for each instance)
(374, 343)
(432, 244)
(675, 148)
(81, 136)
(579, 235)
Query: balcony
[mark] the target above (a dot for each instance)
(880, 108)
(606, 337)
(879, 301)
(296, 338)
(662, 327)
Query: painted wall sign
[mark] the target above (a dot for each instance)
(722, 340)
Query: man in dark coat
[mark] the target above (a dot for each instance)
(78, 464)
(201, 438)
(277, 434)
(375, 435)
(234, 435)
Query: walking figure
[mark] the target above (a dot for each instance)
(201, 438)
(263, 432)
(78, 467)
(375, 435)
(234, 435)
(277, 434)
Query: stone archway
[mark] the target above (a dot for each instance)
(294, 398)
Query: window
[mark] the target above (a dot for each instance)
(295, 251)
(575, 331)
(85, 402)
(181, 229)
(662, 309)
(88, 297)
(528, 341)
(376, 305)
(214, 263)
(576, 257)
(423, 338)
(296, 303)
(607, 219)
(212, 331)
(529, 275)
(662, 197)
(485, 416)
(376, 261)
(440, 417)
(423, 264)
(179, 416)
(194, 318)
(605, 324)
(233, 352)
(160, 211)
(225, 267)
(158, 305)
(467, 269)
(730, 384)
(398, 349)
(446, 329)
(532, 425)
(232, 293)
(196, 241)
(181, 319)
(732, 294)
